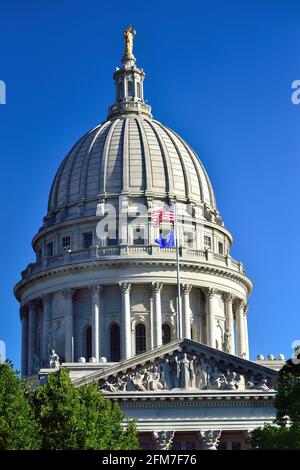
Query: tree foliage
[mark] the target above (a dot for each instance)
(58, 416)
(58, 411)
(285, 433)
(18, 426)
(100, 414)
(80, 418)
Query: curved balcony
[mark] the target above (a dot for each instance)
(132, 251)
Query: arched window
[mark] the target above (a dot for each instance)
(138, 89)
(140, 338)
(166, 333)
(88, 343)
(130, 88)
(115, 343)
(120, 91)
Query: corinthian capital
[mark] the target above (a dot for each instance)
(228, 297)
(163, 439)
(97, 289)
(125, 286)
(210, 439)
(187, 288)
(210, 292)
(157, 286)
(32, 304)
(68, 293)
(46, 298)
(240, 304)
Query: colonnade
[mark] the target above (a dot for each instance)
(235, 313)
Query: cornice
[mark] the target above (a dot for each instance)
(94, 265)
(189, 400)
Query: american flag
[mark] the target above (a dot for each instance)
(162, 215)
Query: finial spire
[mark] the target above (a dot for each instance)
(129, 35)
(129, 81)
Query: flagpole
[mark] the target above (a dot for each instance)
(178, 273)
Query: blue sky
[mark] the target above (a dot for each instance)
(219, 73)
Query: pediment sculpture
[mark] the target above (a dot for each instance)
(182, 370)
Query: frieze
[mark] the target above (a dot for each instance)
(185, 371)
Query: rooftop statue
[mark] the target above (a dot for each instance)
(129, 34)
(54, 360)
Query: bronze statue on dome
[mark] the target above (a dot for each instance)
(129, 34)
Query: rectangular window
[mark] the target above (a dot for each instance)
(188, 238)
(222, 446)
(176, 445)
(235, 445)
(221, 248)
(112, 238)
(190, 446)
(145, 446)
(207, 242)
(130, 88)
(87, 239)
(66, 242)
(50, 249)
(138, 236)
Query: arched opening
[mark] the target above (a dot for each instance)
(115, 353)
(140, 338)
(130, 88)
(88, 343)
(166, 333)
(120, 91)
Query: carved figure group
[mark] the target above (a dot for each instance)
(185, 371)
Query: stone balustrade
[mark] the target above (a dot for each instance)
(130, 251)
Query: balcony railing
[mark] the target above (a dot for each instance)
(132, 251)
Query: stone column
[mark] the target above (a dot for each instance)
(228, 299)
(240, 328)
(157, 325)
(69, 324)
(126, 320)
(47, 305)
(210, 320)
(246, 331)
(186, 311)
(163, 440)
(24, 320)
(32, 335)
(96, 292)
(210, 439)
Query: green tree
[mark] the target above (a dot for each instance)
(106, 425)
(80, 418)
(18, 428)
(285, 433)
(58, 411)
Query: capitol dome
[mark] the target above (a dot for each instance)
(119, 294)
(131, 154)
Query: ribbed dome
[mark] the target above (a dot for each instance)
(132, 154)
